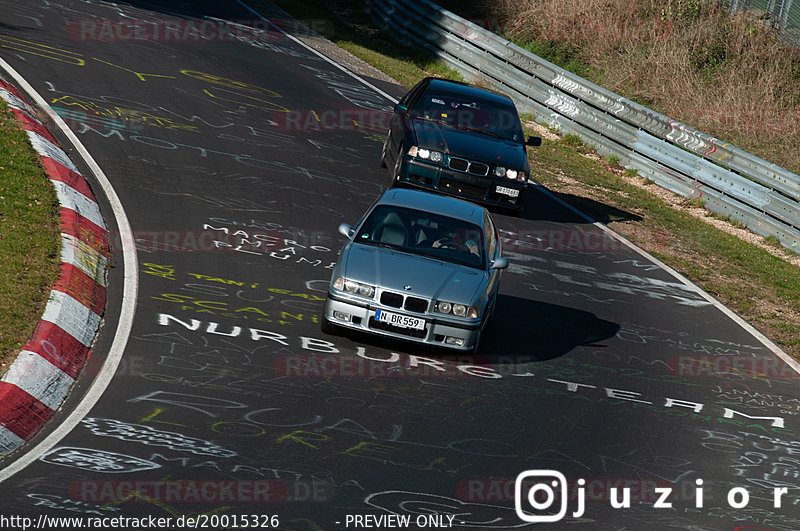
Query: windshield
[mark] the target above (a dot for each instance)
(477, 115)
(424, 233)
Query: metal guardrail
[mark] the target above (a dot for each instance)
(731, 182)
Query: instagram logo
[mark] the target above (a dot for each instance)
(540, 490)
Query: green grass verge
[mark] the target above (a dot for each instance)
(29, 238)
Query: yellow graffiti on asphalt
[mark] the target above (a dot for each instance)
(230, 83)
(223, 88)
(121, 113)
(250, 101)
(42, 50)
(140, 75)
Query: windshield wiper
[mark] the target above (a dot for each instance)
(390, 247)
(449, 260)
(379, 244)
(435, 120)
(434, 256)
(482, 131)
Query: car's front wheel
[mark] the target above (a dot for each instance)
(384, 149)
(395, 180)
(477, 345)
(328, 327)
(486, 322)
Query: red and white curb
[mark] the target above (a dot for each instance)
(40, 378)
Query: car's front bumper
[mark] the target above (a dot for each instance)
(487, 189)
(438, 328)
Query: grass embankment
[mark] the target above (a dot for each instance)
(762, 288)
(29, 238)
(727, 75)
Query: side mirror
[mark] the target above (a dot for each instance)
(400, 108)
(346, 230)
(500, 263)
(534, 141)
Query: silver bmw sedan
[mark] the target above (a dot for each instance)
(418, 267)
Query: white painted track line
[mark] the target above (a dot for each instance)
(318, 53)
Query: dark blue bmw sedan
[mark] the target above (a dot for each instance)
(459, 140)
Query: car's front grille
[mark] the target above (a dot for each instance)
(458, 164)
(468, 166)
(395, 300)
(478, 168)
(413, 304)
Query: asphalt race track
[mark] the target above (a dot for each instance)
(236, 159)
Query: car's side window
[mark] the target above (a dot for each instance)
(413, 95)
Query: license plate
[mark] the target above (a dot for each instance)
(402, 321)
(511, 192)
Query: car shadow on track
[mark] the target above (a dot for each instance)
(540, 206)
(525, 330)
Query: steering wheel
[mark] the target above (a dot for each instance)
(447, 243)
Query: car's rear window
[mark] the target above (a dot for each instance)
(424, 233)
(481, 115)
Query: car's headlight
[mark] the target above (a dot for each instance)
(425, 154)
(502, 171)
(459, 310)
(353, 287)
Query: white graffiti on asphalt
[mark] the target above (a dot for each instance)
(151, 437)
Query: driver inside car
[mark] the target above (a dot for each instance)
(456, 239)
